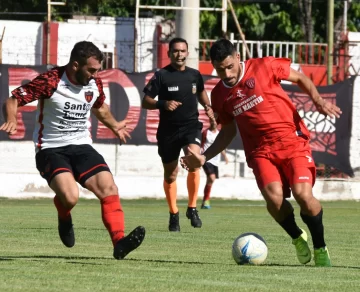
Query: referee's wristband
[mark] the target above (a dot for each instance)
(160, 104)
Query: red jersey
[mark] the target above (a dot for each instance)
(262, 110)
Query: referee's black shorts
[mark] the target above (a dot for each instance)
(172, 140)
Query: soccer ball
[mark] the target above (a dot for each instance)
(249, 248)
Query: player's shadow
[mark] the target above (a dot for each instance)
(74, 259)
(306, 267)
(69, 259)
(171, 262)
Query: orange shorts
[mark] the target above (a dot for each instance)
(288, 165)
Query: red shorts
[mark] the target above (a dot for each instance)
(289, 165)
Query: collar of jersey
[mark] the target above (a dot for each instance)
(242, 64)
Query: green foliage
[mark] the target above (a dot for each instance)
(114, 8)
(354, 17)
(210, 21)
(251, 19)
(33, 6)
(259, 20)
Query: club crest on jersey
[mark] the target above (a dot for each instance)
(89, 95)
(250, 83)
(194, 88)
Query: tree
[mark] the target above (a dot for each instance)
(278, 20)
(305, 19)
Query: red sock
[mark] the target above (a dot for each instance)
(113, 217)
(63, 212)
(207, 191)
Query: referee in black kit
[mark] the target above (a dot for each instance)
(179, 89)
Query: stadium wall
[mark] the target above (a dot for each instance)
(138, 174)
(24, 42)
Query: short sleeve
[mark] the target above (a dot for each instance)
(101, 98)
(152, 88)
(42, 86)
(280, 68)
(200, 83)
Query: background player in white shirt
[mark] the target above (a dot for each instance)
(211, 167)
(66, 97)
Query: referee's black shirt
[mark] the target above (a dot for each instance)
(183, 86)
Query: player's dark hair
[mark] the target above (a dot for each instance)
(177, 40)
(221, 49)
(83, 51)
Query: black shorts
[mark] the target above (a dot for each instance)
(172, 140)
(83, 161)
(210, 168)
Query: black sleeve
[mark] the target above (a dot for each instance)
(200, 83)
(152, 89)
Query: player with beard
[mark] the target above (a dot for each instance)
(179, 89)
(276, 140)
(66, 97)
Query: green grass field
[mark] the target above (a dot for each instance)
(32, 257)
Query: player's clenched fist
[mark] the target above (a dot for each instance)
(172, 105)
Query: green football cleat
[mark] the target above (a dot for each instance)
(302, 248)
(206, 205)
(322, 257)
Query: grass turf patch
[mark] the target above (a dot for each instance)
(32, 257)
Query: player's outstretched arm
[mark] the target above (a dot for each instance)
(309, 87)
(121, 129)
(223, 139)
(10, 110)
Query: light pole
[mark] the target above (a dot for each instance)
(49, 3)
(330, 36)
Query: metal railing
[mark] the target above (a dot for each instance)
(301, 53)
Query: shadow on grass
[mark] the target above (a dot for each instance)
(72, 259)
(55, 228)
(307, 267)
(69, 259)
(264, 266)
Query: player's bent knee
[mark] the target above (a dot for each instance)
(170, 179)
(302, 192)
(113, 189)
(70, 199)
(273, 193)
(307, 202)
(274, 205)
(102, 191)
(170, 175)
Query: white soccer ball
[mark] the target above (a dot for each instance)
(249, 248)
